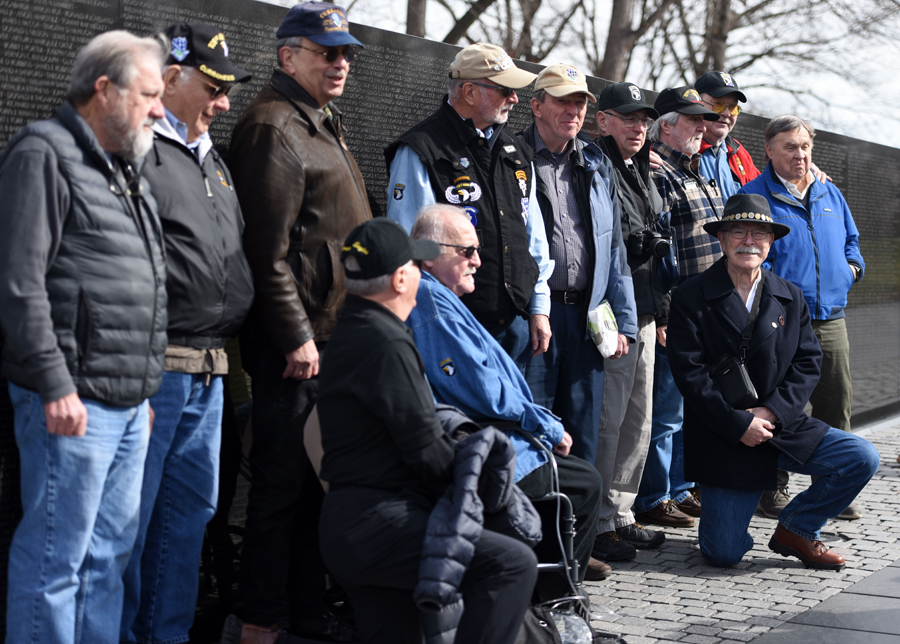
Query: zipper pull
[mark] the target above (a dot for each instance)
(206, 183)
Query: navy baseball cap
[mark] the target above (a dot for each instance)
(203, 47)
(684, 100)
(625, 98)
(718, 84)
(324, 23)
(381, 246)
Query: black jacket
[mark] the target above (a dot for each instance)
(209, 284)
(641, 206)
(493, 184)
(82, 292)
(784, 358)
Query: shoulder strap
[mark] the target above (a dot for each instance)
(754, 311)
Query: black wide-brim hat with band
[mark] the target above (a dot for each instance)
(749, 209)
(203, 47)
(381, 246)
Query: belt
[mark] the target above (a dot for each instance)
(567, 297)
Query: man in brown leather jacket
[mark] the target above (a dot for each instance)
(301, 193)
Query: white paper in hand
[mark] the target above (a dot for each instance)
(603, 329)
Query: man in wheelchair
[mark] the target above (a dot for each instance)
(468, 369)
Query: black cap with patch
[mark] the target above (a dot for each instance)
(381, 246)
(718, 84)
(684, 100)
(203, 47)
(624, 98)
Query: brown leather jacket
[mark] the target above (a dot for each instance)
(301, 193)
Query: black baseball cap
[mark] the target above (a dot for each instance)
(684, 100)
(381, 246)
(747, 208)
(718, 84)
(203, 47)
(322, 22)
(624, 98)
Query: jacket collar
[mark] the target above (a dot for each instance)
(675, 157)
(465, 128)
(641, 159)
(775, 187)
(303, 102)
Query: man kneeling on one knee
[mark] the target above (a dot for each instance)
(467, 368)
(734, 451)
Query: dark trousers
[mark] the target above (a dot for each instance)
(281, 545)
(580, 481)
(372, 543)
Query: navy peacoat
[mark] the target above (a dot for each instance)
(706, 320)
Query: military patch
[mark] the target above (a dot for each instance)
(398, 191)
(463, 191)
(692, 95)
(635, 92)
(572, 73)
(222, 179)
(473, 214)
(464, 162)
(523, 181)
(727, 79)
(180, 49)
(447, 367)
(525, 208)
(509, 149)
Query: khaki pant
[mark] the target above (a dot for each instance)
(625, 427)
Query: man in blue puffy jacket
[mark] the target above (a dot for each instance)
(822, 258)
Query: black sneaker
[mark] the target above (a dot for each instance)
(640, 537)
(773, 502)
(609, 546)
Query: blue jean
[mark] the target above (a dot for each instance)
(843, 463)
(178, 498)
(80, 500)
(568, 378)
(663, 477)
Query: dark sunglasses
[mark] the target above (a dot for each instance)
(331, 54)
(215, 91)
(468, 250)
(506, 91)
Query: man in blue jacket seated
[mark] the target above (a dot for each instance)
(736, 437)
(388, 460)
(467, 368)
(822, 258)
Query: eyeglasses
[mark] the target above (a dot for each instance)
(506, 91)
(631, 121)
(468, 250)
(741, 233)
(718, 108)
(331, 54)
(215, 91)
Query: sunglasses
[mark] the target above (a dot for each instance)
(468, 250)
(506, 91)
(215, 91)
(331, 54)
(718, 108)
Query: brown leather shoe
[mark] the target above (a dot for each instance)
(597, 570)
(691, 505)
(813, 554)
(667, 514)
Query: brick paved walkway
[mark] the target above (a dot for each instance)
(671, 594)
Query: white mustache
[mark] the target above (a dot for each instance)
(748, 250)
(470, 271)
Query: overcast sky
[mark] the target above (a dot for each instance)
(865, 110)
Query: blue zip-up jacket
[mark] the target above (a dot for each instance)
(468, 369)
(822, 243)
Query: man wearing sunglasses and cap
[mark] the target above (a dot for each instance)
(210, 290)
(301, 193)
(463, 155)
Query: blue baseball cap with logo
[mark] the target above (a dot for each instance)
(324, 23)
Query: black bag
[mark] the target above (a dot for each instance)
(730, 373)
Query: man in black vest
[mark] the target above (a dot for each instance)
(210, 290)
(463, 155)
(83, 320)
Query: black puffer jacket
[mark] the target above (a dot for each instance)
(82, 268)
(483, 496)
(209, 284)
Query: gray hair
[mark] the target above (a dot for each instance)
(430, 223)
(113, 54)
(787, 123)
(366, 287)
(656, 129)
(454, 86)
(540, 95)
(291, 41)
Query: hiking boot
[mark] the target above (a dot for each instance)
(640, 537)
(609, 546)
(666, 514)
(773, 501)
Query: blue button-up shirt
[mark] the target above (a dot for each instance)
(468, 369)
